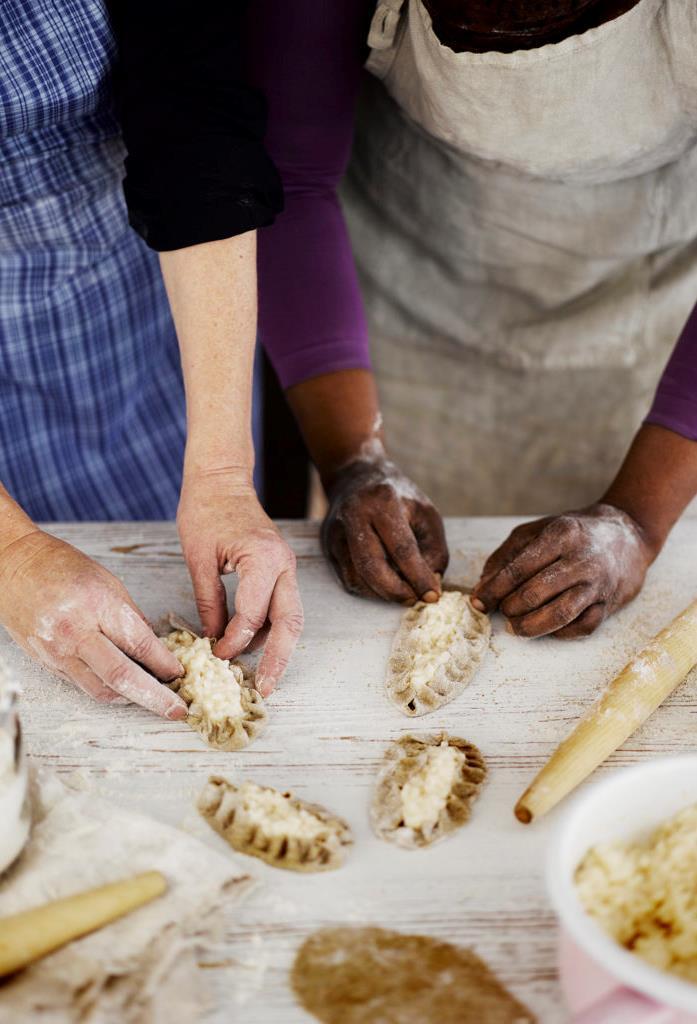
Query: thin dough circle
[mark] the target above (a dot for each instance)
(362, 975)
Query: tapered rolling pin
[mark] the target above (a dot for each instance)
(28, 936)
(630, 698)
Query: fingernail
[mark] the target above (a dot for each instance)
(430, 596)
(176, 712)
(264, 687)
(510, 629)
(479, 605)
(247, 635)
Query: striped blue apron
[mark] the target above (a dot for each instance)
(92, 419)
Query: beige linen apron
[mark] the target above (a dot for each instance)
(525, 226)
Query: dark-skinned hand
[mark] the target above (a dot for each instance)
(564, 575)
(382, 534)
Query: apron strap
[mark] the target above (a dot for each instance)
(383, 27)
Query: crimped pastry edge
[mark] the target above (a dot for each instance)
(288, 853)
(234, 733)
(467, 654)
(395, 770)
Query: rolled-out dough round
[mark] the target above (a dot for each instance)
(374, 976)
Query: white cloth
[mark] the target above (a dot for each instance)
(525, 226)
(141, 969)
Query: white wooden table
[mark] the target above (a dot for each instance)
(329, 724)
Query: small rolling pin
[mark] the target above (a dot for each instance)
(28, 936)
(630, 698)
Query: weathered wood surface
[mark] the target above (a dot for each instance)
(330, 721)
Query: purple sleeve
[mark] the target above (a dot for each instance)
(307, 57)
(675, 404)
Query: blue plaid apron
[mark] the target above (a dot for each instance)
(91, 399)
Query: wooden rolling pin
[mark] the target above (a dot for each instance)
(630, 698)
(28, 936)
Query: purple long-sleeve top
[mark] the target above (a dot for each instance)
(307, 58)
(675, 403)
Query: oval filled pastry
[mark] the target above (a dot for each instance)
(425, 789)
(436, 652)
(223, 705)
(278, 828)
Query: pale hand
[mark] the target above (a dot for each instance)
(563, 575)
(224, 529)
(78, 620)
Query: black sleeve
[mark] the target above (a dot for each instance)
(196, 168)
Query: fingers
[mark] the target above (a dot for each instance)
(209, 593)
(85, 679)
(362, 553)
(259, 640)
(430, 536)
(520, 563)
(257, 580)
(400, 544)
(340, 557)
(585, 624)
(336, 550)
(555, 615)
(129, 632)
(116, 671)
(370, 562)
(383, 536)
(512, 546)
(541, 588)
(286, 618)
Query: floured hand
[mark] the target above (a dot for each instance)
(564, 575)
(76, 618)
(382, 534)
(224, 529)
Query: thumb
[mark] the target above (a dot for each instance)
(209, 593)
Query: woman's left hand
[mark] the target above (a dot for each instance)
(224, 529)
(564, 575)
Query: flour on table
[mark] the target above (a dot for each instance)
(142, 968)
(223, 705)
(436, 652)
(276, 827)
(425, 789)
(356, 975)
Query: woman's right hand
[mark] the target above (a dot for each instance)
(383, 536)
(78, 620)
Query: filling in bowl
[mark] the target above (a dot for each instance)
(644, 894)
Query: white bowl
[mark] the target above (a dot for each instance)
(627, 805)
